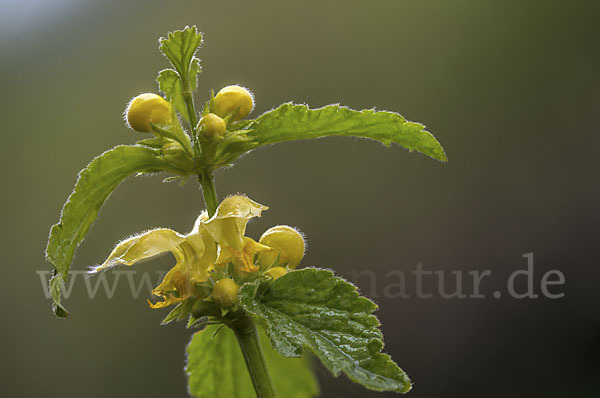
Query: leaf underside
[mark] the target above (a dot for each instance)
(94, 185)
(296, 122)
(216, 368)
(315, 310)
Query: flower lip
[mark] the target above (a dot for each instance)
(228, 225)
(214, 242)
(238, 206)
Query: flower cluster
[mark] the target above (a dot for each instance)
(216, 254)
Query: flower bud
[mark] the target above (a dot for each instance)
(146, 108)
(234, 98)
(225, 293)
(286, 242)
(276, 272)
(212, 125)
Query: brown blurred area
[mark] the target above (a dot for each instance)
(511, 89)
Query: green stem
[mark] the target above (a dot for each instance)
(189, 103)
(188, 97)
(247, 336)
(207, 181)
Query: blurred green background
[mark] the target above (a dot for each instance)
(511, 89)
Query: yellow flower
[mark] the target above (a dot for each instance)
(213, 242)
(195, 255)
(228, 227)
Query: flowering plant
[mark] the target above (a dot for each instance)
(224, 282)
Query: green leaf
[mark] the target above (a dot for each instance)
(154, 142)
(180, 311)
(213, 366)
(216, 368)
(55, 290)
(293, 377)
(296, 122)
(231, 146)
(94, 185)
(174, 132)
(170, 84)
(180, 47)
(193, 73)
(315, 310)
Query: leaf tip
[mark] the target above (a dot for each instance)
(59, 311)
(442, 157)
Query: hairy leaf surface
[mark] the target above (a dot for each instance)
(296, 122)
(315, 310)
(94, 185)
(170, 84)
(179, 47)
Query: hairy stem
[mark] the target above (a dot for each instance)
(207, 181)
(189, 104)
(247, 336)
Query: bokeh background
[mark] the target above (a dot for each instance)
(511, 89)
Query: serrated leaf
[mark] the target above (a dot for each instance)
(216, 368)
(55, 289)
(176, 314)
(193, 73)
(315, 310)
(179, 47)
(94, 185)
(170, 84)
(180, 311)
(296, 122)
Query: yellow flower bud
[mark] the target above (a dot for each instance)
(212, 125)
(276, 272)
(286, 242)
(231, 98)
(225, 293)
(146, 108)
